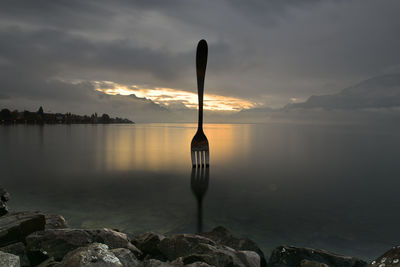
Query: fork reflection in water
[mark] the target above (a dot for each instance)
(199, 183)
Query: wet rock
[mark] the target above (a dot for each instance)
(9, 260)
(58, 242)
(4, 197)
(54, 221)
(126, 257)
(14, 227)
(148, 244)
(19, 250)
(96, 254)
(222, 236)
(194, 248)
(293, 256)
(388, 259)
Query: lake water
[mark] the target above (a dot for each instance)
(333, 187)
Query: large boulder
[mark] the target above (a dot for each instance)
(14, 227)
(95, 254)
(283, 256)
(148, 244)
(4, 197)
(19, 250)
(388, 259)
(222, 236)
(195, 248)
(9, 260)
(58, 242)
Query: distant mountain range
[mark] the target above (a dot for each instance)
(378, 92)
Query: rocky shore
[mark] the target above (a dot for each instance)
(38, 239)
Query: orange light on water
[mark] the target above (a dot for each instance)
(160, 147)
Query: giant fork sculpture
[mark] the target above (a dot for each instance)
(199, 147)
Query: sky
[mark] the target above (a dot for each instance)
(136, 59)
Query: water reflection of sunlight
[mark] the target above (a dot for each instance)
(158, 147)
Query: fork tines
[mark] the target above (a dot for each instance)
(200, 158)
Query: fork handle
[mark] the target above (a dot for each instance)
(201, 63)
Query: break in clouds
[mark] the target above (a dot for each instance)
(268, 53)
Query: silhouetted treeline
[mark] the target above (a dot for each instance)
(40, 117)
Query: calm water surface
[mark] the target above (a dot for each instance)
(331, 187)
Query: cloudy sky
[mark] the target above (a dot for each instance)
(137, 58)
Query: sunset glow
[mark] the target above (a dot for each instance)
(168, 97)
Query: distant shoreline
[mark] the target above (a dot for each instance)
(39, 117)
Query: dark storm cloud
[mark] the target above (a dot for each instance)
(267, 51)
(54, 51)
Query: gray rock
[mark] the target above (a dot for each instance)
(126, 257)
(114, 239)
(54, 221)
(58, 242)
(96, 254)
(250, 257)
(176, 246)
(9, 260)
(222, 236)
(19, 250)
(388, 259)
(293, 256)
(4, 197)
(195, 248)
(14, 227)
(148, 244)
